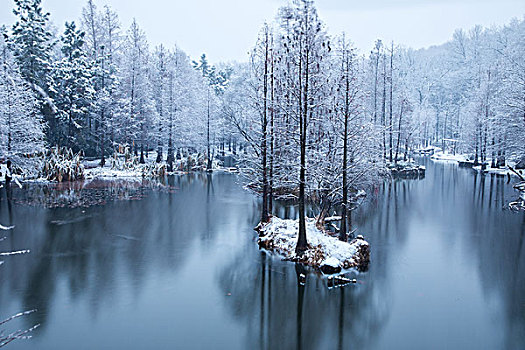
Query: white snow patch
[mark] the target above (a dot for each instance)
(331, 261)
(497, 171)
(280, 236)
(427, 150)
(444, 156)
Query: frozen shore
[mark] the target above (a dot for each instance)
(327, 253)
(443, 156)
(464, 160)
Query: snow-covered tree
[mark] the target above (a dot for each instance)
(305, 50)
(216, 83)
(161, 94)
(21, 125)
(73, 90)
(92, 26)
(136, 104)
(31, 42)
(107, 81)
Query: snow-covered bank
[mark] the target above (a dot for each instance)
(327, 253)
(139, 171)
(466, 161)
(427, 150)
(444, 156)
(120, 168)
(499, 171)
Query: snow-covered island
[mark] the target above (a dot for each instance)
(327, 253)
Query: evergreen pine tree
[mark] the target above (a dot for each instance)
(72, 88)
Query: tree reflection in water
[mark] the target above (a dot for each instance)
(280, 313)
(444, 246)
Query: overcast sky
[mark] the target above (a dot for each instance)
(226, 29)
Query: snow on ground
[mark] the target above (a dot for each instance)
(500, 171)
(447, 157)
(88, 164)
(444, 156)
(280, 236)
(139, 171)
(232, 170)
(427, 150)
(115, 168)
(109, 173)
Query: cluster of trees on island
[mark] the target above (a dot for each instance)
(307, 117)
(331, 121)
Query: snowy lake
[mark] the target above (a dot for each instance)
(180, 269)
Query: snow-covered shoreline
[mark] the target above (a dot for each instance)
(328, 254)
(443, 156)
(91, 170)
(440, 156)
(141, 172)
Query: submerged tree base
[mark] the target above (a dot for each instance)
(327, 253)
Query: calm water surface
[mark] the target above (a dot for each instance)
(181, 269)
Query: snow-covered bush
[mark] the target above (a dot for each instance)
(62, 164)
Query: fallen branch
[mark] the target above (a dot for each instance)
(515, 172)
(19, 334)
(19, 252)
(20, 314)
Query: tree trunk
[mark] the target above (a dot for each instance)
(102, 150)
(302, 243)
(209, 163)
(390, 122)
(142, 161)
(264, 165)
(383, 108)
(159, 147)
(272, 138)
(171, 157)
(399, 131)
(343, 230)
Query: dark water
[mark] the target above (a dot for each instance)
(180, 270)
